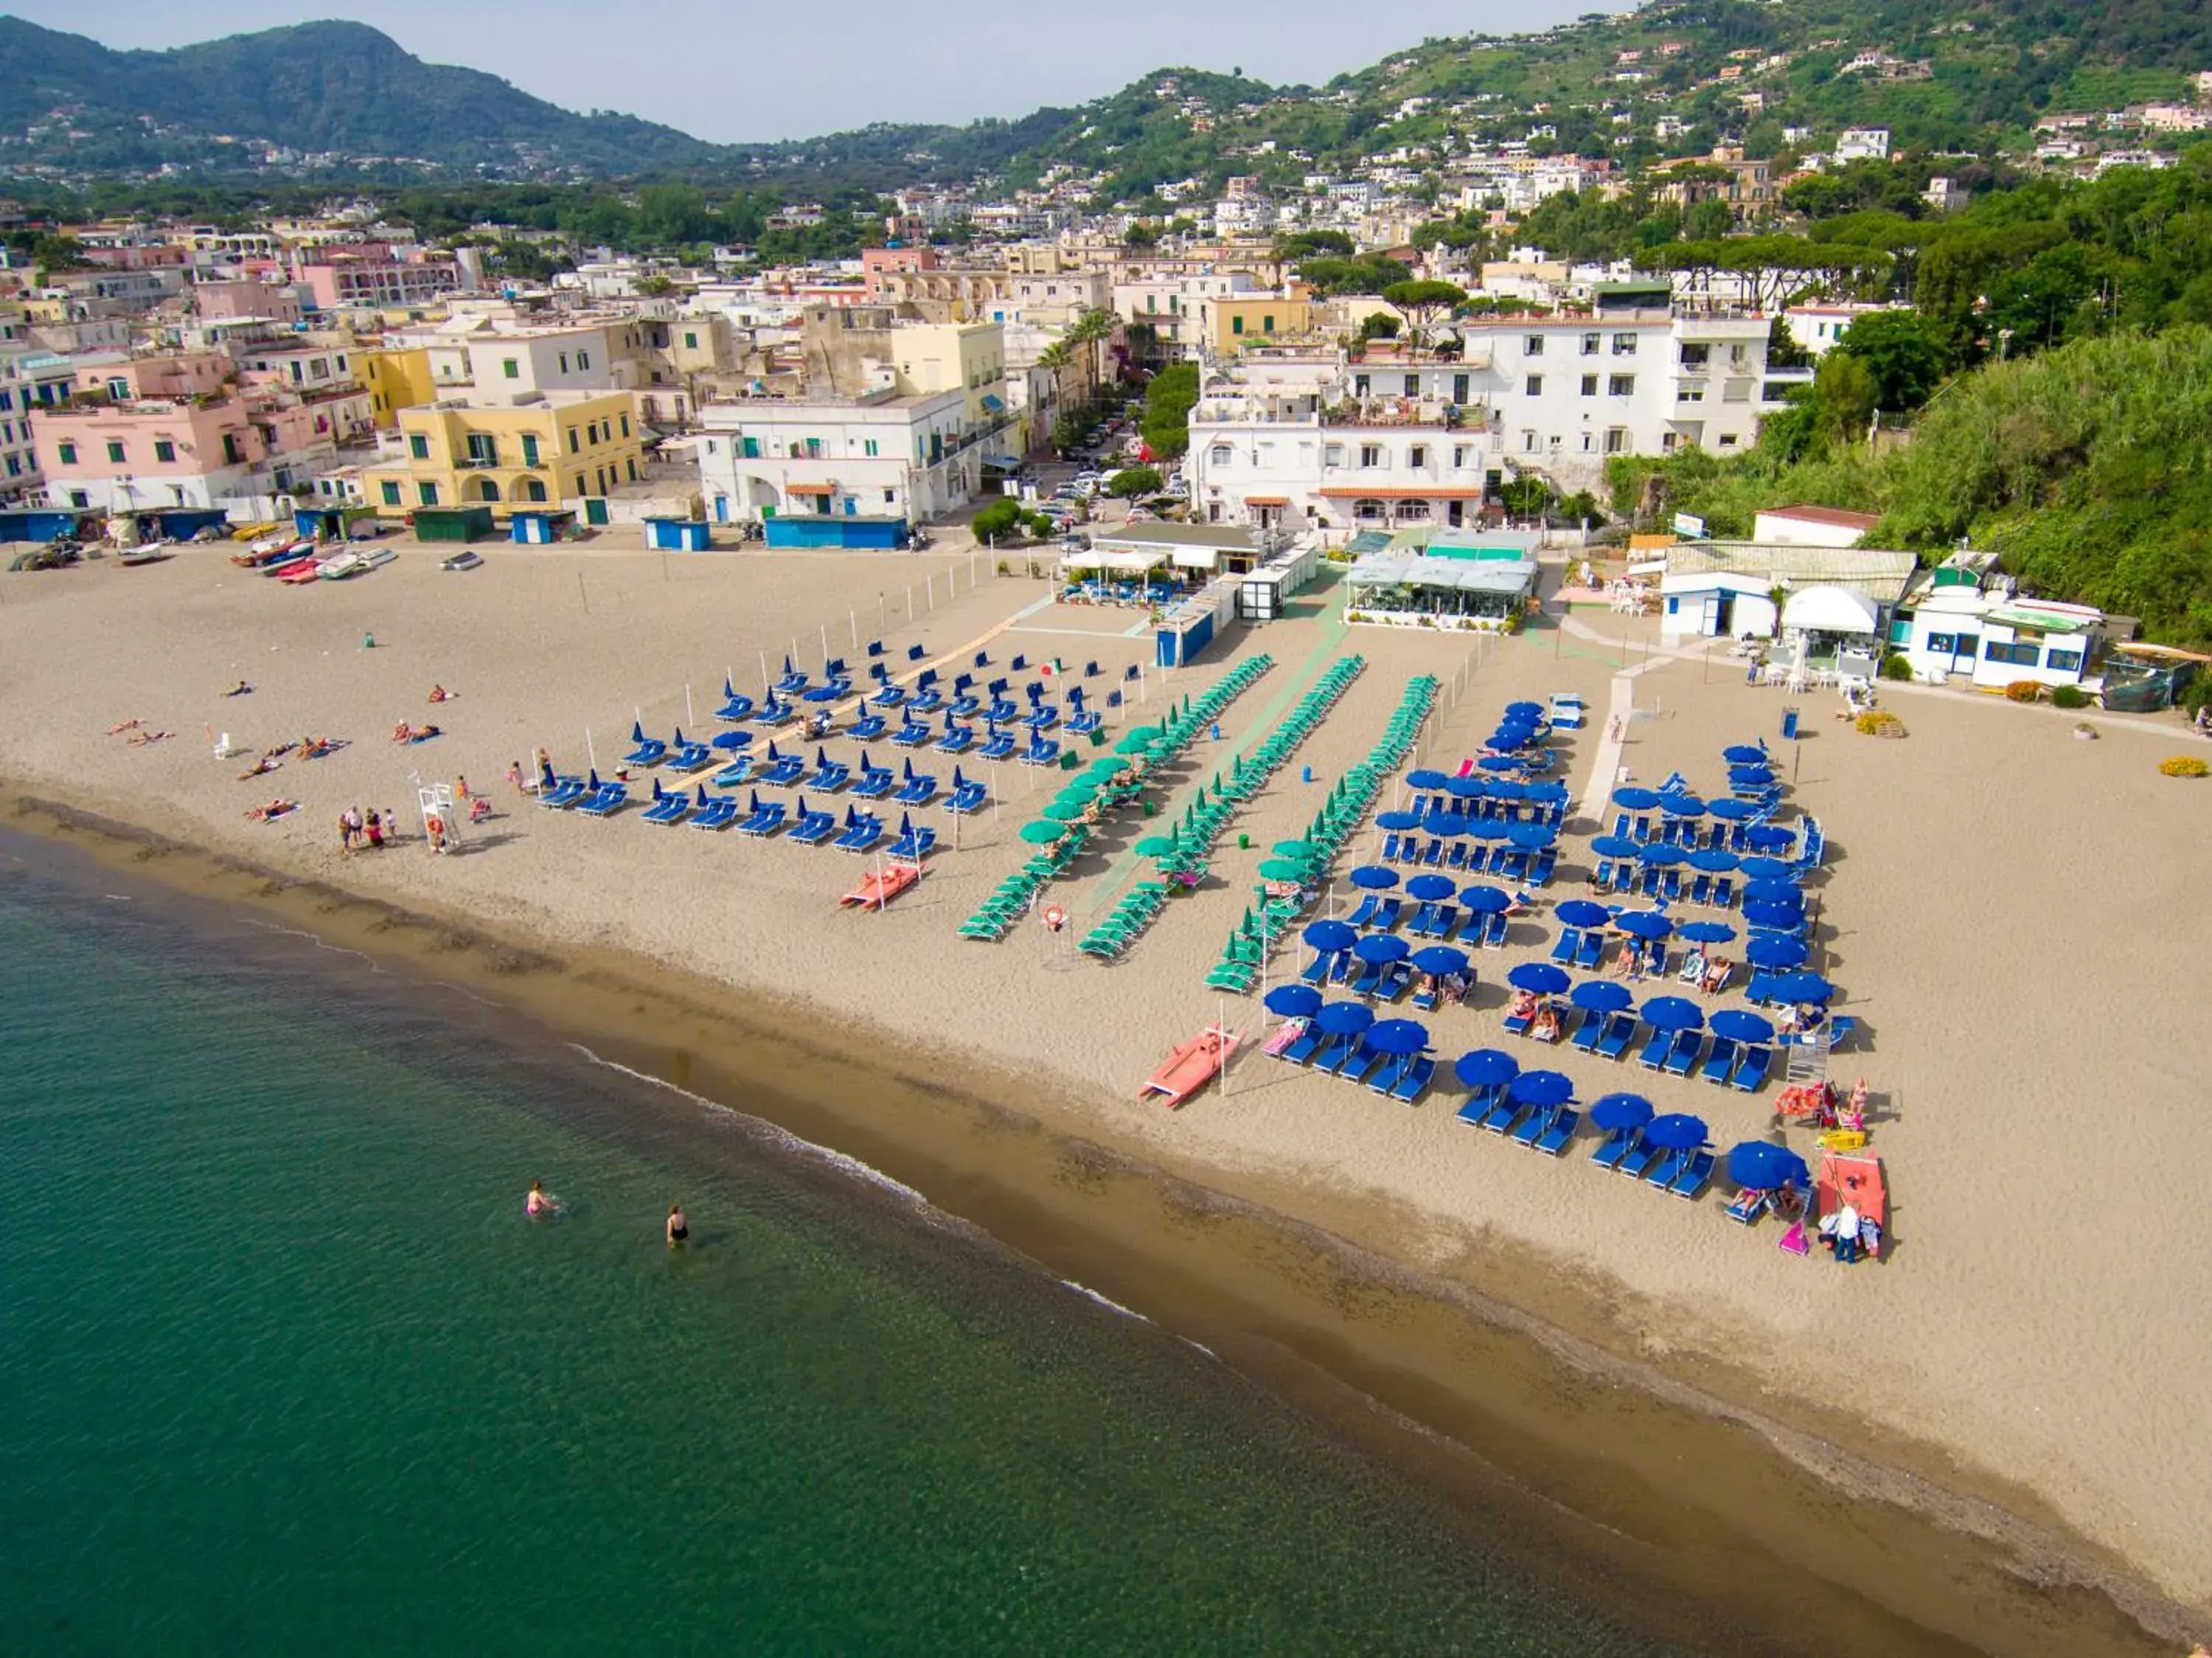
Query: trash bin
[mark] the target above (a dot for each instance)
(1788, 725)
(1217, 731)
(1244, 843)
(1148, 808)
(1305, 774)
(1068, 760)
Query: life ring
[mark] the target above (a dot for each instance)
(1054, 917)
(435, 825)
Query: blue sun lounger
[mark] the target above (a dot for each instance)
(876, 781)
(784, 771)
(1364, 912)
(1719, 1062)
(889, 695)
(1619, 1031)
(1473, 1109)
(1504, 1112)
(1334, 1052)
(814, 826)
(918, 788)
(567, 791)
(1614, 1147)
(1415, 1080)
(688, 757)
(773, 712)
(1682, 1053)
(969, 795)
(870, 727)
(669, 805)
(1694, 1177)
(829, 776)
(1637, 1159)
(913, 735)
(764, 820)
(611, 799)
(1363, 1059)
(1552, 1143)
(1043, 751)
(1571, 944)
(1589, 1033)
(1304, 1045)
(1750, 1072)
(1664, 1168)
(1654, 1056)
(915, 842)
(997, 745)
(1384, 1076)
(1531, 1128)
(956, 740)
(736, 774)
(862, 832)
(650, 751)
(720, 812)
(736, 709)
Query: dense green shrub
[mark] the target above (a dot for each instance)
(2068, 696)
(1897, 665)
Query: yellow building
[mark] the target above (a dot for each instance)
(969, 357)
(1232, 321)
(563, 449)
(396, 379)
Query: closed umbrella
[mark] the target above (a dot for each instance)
(1636, 800)
(1283, 870)
(1541, 1087)
(1762, 1166)
(1485, 1068)
(1682, 806)
(1740, 1025)
(1539, 978)
(1744, 753)
(1398, 822)
(1427, 779)
(1582, 912)
(1294, 1000)
(1673, 1013)
(1343, 1018)
(1767, 868)
(1615, 1111)
(1374, 877)
(1427, 889)
(1713, 860)
(1804, 987)
(1531, 836)
(1602, 996)
(1381, 948)
(1643, 924)
(1042, 833)
(1330, 935)
(1439, 960)
(1708, 932)
(1676, 1131)
(1736, 811)
(1486, 900)
(1398, 1036)
(1777, 953)
(1616, 846)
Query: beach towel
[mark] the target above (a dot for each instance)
(1794, 1239)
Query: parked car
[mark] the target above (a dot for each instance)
(467, 558)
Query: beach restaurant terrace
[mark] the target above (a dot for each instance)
(1449, 585)
(1192, 549)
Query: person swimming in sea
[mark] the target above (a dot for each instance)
(539, 1206)
(678, 1228)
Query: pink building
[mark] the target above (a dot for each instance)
(143, 455)
(183, 374)
(218, 300)
(876, 262)
(343, 283)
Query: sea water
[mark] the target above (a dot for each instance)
(284, 1367)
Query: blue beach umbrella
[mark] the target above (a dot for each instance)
(1673, 1013)
(1380, 949)
(1616, 846)
(1736, 811)
(1713, 860)
(1643, 924)
(1550, 791)
(1343, 1018)
(1682, 806)
(1708, 932)
(1763, 1165)
(1467, 788)
(1330, 935)
(1775, 917)
(1294, 1000)
(1450, 824)
(1778, 953)
(1615, 1111)
(1486, 900)
(1769, 837)
(1582, 912)
(1498, 763)
(1602, 996)
(1525, 709)
(1676, 1131)
(1530, 836)
(730, 741)
(1740, 1025)
(1774, 891)
(1374, 876)
(1804, 987)
(1541, 1087)
(1767, 868)
(1744, 753)
(1397, 822)
(1636, 800)
(1660, 853)
(1504, 788)
(1427, 889)
(1750, 777)
(1427, 779)
(1440, 958)
(1398, 1036)
(1485, 1068)
(1540, 977)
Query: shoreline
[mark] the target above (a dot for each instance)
(1535, 1394)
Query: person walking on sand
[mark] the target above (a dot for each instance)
(375, 828)
(678, 1227)
(354, 823)
(346, 833)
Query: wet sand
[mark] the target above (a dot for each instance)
(1702, 1515)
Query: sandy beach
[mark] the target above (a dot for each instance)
(2010, 913)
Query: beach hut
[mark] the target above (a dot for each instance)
(452, 523)
(1187, 628)
(1262, 593)
(676, 534)
(539, 528)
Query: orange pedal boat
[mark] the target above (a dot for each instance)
(1191, 1066)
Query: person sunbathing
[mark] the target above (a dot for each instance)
(439, 694)
(127, 725)
(1629, 963)
(239, 690)
(140, 739)
(1716, 976)
(402, 732)
(1546, 1028)
(1524, 1006)
(259, 768)
(270, 813)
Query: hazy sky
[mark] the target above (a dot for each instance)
(743, 69)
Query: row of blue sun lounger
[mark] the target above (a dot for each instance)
(1739, 1065)
(905, 787)
(1472, 858)
(588, 795)
(1546, 1129)
(1402, 1077)
(1550, 1129)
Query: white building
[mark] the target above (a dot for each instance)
(1812, 526)
(1405, 438)
(1862, 144)
(1990, 640)
(879, 456)
(1816, 328)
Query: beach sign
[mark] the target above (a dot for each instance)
(1688, 524)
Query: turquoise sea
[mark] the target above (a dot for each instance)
(284, 1367)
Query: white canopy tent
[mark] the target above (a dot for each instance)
(1830, 610)
(1128, 561)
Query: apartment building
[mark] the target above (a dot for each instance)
(20, 477)
(554, 446)
(142, 454)
(880, 458)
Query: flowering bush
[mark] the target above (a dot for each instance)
(2022, 690)
(2184, 766)
(1880, 723)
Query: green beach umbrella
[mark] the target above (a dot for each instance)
(1066, 811)
(1283, 870)
(1042, 833)
(1139, 739)
(1082, 790)
(1108, 768)
(1294, 849)
(1159, 846)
